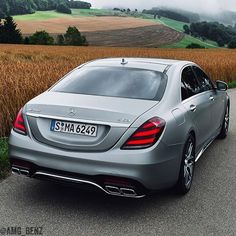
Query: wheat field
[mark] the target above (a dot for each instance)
(26, 71)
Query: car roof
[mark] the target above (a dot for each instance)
(157, 64)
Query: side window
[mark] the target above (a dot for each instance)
(184, 91)
(190, 85)
(203, 79)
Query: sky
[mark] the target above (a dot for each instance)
(208, 6)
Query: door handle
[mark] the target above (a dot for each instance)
(193, 108)
(211, 98)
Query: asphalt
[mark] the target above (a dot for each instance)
(208, 209)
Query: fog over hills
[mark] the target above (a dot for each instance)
(210, 10)
(210, 6)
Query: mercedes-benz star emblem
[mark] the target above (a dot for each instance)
(72, 112)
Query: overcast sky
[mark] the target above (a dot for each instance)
(209, 6)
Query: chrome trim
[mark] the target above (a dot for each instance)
(203, 150)
(15, 170)
(19, 171)
(81, 181)
(132, 192)
(24, 172)
(113, 190)
(114, 124)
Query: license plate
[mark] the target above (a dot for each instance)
(73, 128)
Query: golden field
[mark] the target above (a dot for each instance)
(26, 71)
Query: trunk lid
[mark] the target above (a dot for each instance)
(112, 116)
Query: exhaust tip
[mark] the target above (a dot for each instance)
(19, 171)
(126, 192)
(113, 190)
(24, 172)
(15, 170)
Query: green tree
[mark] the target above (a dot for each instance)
(74, 37)
(186, 29)
(194, 46)
(232, 44)
(60, 39)
(18, 7)
(41, 38)
(26, 40)
(63, 8)
(4, 9)
(9, 32)
(220, 42)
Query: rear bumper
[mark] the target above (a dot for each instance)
(145, 170)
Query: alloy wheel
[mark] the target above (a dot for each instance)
(189, 164)
(227, 119)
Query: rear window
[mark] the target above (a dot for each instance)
(114, 82)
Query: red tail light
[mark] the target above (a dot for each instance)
(19, 125)
(146, 135)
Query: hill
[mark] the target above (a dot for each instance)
(102, 27)
(104, 22)
(54, 22)
(187, 39)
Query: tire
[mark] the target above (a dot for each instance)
(187, 167)
(225, 125)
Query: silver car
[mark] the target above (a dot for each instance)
(126, 126)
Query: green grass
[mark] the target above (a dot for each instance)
(45, 15)
(232, 84)
(4, 161)
(95, 12)
(176, 25)
(188, 40)
(41, 15)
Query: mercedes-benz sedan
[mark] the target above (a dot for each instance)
(126, 126)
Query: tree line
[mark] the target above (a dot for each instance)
(19, 7)
(168, 14)
(223, 35)
(9, 33)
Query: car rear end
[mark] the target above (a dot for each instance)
(97, 133)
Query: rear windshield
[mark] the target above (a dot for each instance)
(114, 82)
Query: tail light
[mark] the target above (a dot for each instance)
(19, 125)
(146, 135)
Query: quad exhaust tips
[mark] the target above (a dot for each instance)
(19, 171)
(126, 192)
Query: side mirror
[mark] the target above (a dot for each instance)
(221, 86)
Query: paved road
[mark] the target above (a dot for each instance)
(209, 209)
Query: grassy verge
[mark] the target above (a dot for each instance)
(232, 84)
(4, 161)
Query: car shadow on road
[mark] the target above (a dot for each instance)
(73, 199)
